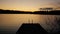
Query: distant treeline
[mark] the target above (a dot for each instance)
(13, 12)
(55, 12)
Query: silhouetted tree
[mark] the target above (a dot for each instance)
(46, 9)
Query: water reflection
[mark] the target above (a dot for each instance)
(11, 22)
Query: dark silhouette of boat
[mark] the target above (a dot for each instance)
(28, 28)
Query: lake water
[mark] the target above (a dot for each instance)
(10, 23)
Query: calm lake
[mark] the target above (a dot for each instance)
(10, 23)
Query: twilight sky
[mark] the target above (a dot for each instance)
(28, 5)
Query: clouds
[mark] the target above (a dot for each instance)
(28, 4)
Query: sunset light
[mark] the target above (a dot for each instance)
(28, 5)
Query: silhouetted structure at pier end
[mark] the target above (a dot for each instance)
(31, 29)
